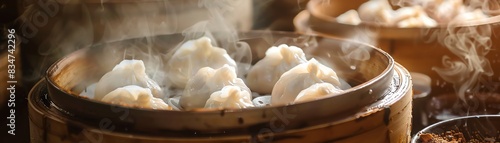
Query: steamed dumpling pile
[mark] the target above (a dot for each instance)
(208, 77)
(307, 81)
(417, 13)
(265, 73)
(444, 10)
(128, 85)
(380, 11)
(209, 83)
(192, 56)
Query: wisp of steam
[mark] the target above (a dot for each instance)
(72, 25)
(469, 40)
(470, 44)
(221, 32)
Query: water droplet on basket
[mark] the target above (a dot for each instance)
(442, 85)
(262, 101)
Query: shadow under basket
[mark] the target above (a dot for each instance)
(447, 106)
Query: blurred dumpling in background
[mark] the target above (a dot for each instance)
(446, 10)
(135, 96)
(407, 12)
(476, 14)
(420, 21)
(292, 82)
(127, 72)
(207, 81)
(413, 16)
(415, 13)
(230, 97)
(350, 17)
(265, 73)
(192, 56)
(379, 11)
(317, 91)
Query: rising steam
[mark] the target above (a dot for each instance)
(221, 32)
(356, 55)
(470, 44)
(468, 69)
(67, 26)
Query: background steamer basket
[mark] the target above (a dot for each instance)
(386, 121)
(370, 79)
(411, 47)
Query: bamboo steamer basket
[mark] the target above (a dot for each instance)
(386, 118)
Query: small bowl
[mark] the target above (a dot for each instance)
(486, 126)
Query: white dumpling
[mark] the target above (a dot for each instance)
(135, 96)
(379, 11)
(421, 21)
(230, 97)
(477, 14)
(292, 82)
(127, 72)
(414, 16)
(317, 91)
(207, 81)
(407, 12)
(192, 56)
(350, 17)
(265, 73)
(448, 9)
